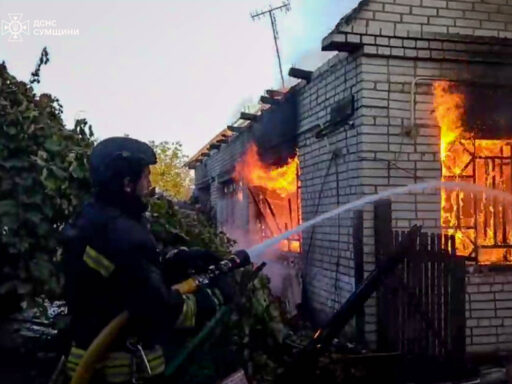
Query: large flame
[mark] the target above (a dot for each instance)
(274, 190)
(449, 112)
(481, 225)
(254, 172)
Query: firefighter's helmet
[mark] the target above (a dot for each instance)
(116, 158)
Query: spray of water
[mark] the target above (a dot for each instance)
(257, 251)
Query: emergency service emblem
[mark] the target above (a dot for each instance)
(15, 27)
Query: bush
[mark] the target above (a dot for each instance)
(43, 179)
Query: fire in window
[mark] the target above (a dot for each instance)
(274, 193)
(480, 154)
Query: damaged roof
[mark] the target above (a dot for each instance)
(220, 137)
(224, 135)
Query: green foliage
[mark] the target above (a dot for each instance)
(173, 226)
(251, 338)
(256, 329)
(170, 174)
(43, 179)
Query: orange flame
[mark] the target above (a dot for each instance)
(277, 197)
(252, 171)
(479, 223)
(449, 112)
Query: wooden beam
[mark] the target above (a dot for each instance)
(302, 74)
(260, 212)
(248, 116)
(268, 100)
(235, 129)
(214, 146)
(193, 164)
(274, 93)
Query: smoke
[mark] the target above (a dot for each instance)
(234, 220)
(244, 104)
(313, 59)
(275, 134)
(488, 111)
(276, 270)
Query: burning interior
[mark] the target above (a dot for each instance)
(481, 224)
(274, 192)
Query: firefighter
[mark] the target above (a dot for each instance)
(111, 264)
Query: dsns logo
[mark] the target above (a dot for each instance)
(15, 27)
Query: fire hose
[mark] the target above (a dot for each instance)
(101, 344)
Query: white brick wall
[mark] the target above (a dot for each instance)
(406, 18)
(489, 311)
(219, 162)
(378, 156)
(330, 269)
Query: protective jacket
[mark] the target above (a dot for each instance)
(111, 264)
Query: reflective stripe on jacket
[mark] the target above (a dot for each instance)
(118, 366)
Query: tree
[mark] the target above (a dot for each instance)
(170, 174)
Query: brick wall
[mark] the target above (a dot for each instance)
(375, 154)
(408, 18)
(489, 311)
(329, 177)
(220, 163)
(392, 159)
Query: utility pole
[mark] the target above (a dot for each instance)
(285, 7)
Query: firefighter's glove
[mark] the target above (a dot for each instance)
(243, 256)
(181, 263)
(226, 285)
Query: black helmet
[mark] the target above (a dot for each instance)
(115, 158)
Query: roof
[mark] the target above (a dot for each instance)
(225, 133)
(257, 109)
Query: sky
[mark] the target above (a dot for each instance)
(174, 70)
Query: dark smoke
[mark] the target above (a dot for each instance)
(489, 111)
(275, 133)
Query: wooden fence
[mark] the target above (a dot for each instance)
(421, 308)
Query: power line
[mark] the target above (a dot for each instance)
(285, 7)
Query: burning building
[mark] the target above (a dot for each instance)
(274, 192)
(418, 90)
(249, 174)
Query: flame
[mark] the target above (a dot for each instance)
(277, 196)
(449, 112)
(480, 224)
(252, 171)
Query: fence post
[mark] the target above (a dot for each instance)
(457, 303)
(357, 241)
(387, 305)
